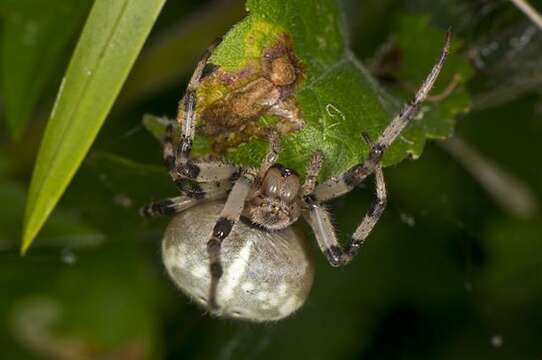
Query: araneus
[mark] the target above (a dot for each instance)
(265, 270)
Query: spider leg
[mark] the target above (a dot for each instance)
(320, 222)
(318, 218)
(188, 103)
(231, 213)
(373, 215)
(354, 176)
(203, 171)
(182, 169)
(229, 216)
(168, 154)
(167, 207)
(172, 206)
(271, 157)
(212, 183)
(313, 170)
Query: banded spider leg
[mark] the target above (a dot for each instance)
(317, 216)
(235, 204)
(198, 181)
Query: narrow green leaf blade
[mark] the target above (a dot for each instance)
(111, 40)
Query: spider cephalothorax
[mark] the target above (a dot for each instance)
(258, 269)
(275, 205)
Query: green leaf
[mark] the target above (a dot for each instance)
(338, 97)
(34, 37)
(111, 40)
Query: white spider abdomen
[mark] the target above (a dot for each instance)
(267, 276)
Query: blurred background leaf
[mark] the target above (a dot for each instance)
(510, 60)
(34, 37)
(447, 274)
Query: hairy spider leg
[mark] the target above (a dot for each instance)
(213, 182)
(229, 216)
(190, 176)
(199, 181)
(181, 167)
(313, 170)
(167, 207)
(209, 176)
(320, 222)
(188, 103)
(231, 213)
(172, 206)
(336, 187)
(271, 157)
(318, 217)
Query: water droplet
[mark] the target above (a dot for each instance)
(123, 200)
(407, 219)
(496, 341)
(68, 257)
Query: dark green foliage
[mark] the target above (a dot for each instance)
(447, 274)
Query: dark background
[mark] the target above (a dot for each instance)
(449, 273)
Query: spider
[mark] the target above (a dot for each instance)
(232, 246)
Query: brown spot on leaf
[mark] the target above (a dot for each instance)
(263, 87)
(282, 71)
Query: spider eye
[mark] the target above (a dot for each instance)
(271, 183)
(281, 183)
(290, 188)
